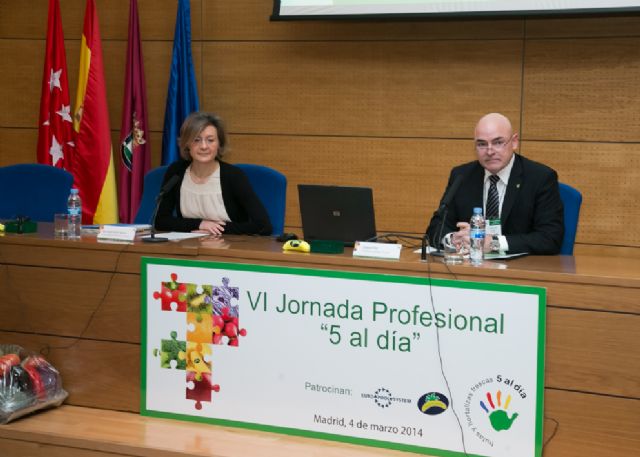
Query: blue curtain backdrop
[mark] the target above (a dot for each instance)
(182, 96)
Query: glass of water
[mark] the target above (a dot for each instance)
(61, 225)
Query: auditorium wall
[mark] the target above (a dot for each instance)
(385, 104)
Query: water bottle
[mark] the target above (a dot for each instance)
(74, 210)
(476, 249)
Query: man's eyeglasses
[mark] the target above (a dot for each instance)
(497, 145)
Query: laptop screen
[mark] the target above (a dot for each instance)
(337, 213)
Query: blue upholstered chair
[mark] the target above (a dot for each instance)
(271, 187)
(571, 199)
(152, 184)
(33, 190)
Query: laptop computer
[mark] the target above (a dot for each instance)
(337, 213)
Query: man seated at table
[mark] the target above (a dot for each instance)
(520, 197)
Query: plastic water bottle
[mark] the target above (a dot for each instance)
(74, 210)
(476, 250)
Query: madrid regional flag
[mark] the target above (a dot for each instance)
(55, 126)
(93, 167)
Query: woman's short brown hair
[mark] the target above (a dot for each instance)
(193, 126)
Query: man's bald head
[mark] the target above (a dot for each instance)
(495, 142)
(495, 121)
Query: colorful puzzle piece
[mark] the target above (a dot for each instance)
(221, 298)
(199, 327)
(201, 388)
(211, 317)
(197, 357)
(199, 299)
(226, 328)
(170, 350)
(172, 292)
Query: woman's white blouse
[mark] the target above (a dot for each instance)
(202, 201)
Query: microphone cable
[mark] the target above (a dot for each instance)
(46, 348)
(439, 351)
(395, 237)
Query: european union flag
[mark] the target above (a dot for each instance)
(182, 96)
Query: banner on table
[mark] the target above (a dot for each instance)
(443, 367)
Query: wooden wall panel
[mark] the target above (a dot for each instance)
(17, 146)
(590, 425)
(157, 63)
(408, 176)
(249, 20)
(587, 26)
(97, 374)
(21, 19)
(24, 75)
(580, 341)
(65, 302)
(607, 176)
(378, 89)
(22, 78)
(582, 90)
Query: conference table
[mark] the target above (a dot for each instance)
(78, 302)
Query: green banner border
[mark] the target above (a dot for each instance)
(379, 277)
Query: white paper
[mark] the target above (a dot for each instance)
(177, 236)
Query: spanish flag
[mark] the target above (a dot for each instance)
(93, 167)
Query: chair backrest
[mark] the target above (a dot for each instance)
(152, 184)
(571, 199)
(271, 187)
(33, 190)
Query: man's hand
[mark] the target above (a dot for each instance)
(460, 238)
(487, 243)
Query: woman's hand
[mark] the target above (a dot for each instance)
(211, 227)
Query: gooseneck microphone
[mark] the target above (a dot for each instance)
(441, 212)
(166, 188)
(449, 194)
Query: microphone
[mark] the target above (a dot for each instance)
(444, 207)
(166, 188)
(449, 194)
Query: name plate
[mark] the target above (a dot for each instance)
(116, 233)
(377, 250)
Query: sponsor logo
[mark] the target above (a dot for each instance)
(497, 412)
(433, 403)
(383, 398)
(491, 406)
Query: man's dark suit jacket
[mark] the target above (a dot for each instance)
(532, 212)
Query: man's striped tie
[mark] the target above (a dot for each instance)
(493, 199)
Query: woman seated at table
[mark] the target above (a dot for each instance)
(211, 196)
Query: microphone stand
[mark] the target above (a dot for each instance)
(439, 240)
(153, 238)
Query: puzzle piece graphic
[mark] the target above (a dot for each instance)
(197, 358)
(199, 327)
(170, 350)
(199, 299)
(200, 389)
(222, 296)
(226, 328)
(211, 317)
(172, 292)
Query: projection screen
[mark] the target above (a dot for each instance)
(331, 9)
